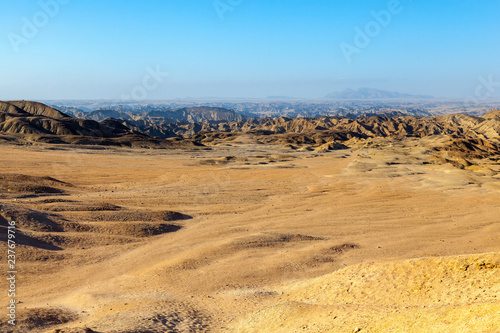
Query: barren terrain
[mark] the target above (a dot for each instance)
(387, 235)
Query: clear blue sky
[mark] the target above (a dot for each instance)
(101, 49)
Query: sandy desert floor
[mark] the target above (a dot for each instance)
(371, 239)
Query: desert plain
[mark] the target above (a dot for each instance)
(247, 237)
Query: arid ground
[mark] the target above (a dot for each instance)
(252, 238)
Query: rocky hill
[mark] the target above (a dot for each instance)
(190, 115)
(469, 136)
(339, 128)
(34, 121)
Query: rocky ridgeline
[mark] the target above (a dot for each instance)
(470, 136)
(32, 121)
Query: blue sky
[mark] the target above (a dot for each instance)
(105, 49)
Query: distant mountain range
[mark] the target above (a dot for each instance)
(369, 93)
(191, 115)
(24, 121)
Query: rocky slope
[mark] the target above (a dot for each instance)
(421, 295)
(468, 136)
(189, 115)
(32, 121)
(486, 127)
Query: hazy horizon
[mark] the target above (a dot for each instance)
(69, 50)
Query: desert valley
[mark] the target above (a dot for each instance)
(377, 223)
